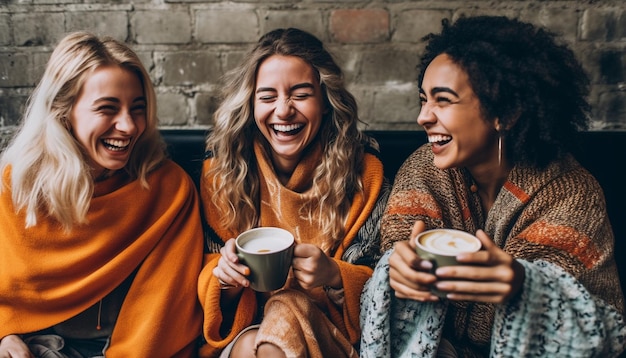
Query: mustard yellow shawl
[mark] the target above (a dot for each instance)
(49, 275)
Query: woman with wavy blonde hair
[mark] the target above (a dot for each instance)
(286, 151)
(46, 162)
(94, 216)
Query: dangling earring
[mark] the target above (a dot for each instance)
(499, 149)
(499, 144)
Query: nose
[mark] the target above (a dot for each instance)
(426, 115)
(125, 123)
(284, 108)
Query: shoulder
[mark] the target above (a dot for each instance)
(421, 160)
(168, 173)
(565, 173)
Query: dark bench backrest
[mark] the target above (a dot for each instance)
(602, 153)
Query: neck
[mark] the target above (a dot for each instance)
(284, 168)
(103, 175)
(283, 176)
(489, 182)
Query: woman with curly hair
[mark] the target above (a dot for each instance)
(96, 224)
(501, 103)
(286, 151)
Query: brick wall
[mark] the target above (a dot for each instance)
(188, 44)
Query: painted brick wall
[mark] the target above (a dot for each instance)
(188, 44)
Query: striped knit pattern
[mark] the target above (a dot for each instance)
(557, 214)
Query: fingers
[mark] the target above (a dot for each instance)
(409, 276)
(489, 292)
(313, 268)
(12, 346)
(404, 254)
(229, 271)
(228, 277)
(485, 239)
(229, 251)
(493, 277)
(405, 287)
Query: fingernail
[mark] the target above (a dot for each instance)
(426, 265)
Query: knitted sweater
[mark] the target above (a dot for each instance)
(355, 255)
(556, 215)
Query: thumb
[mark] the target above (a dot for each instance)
(485, 240)
(418, 228)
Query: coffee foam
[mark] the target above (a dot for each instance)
(265, 245)
(447, 243)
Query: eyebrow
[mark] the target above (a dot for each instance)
(116, 100)
(293, 88)
(436, 90)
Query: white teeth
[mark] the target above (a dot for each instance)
(116, 144)
(287, 127)
(438, 138)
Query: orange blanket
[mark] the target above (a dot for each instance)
(346, 318)
(49, 275)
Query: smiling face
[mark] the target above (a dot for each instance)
(108, 117)
(451, 116)
(288, 108)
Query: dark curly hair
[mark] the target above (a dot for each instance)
(522, 76)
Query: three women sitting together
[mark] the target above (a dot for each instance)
(102, 237)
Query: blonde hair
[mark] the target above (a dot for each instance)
(49, 172)
(337, 178)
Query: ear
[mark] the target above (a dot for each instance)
(510, 121)
(497, 125)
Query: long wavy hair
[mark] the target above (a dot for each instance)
(235, 180)
(521, 75)
(50, 174)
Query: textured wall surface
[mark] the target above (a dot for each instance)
(188, 44)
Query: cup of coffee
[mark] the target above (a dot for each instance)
(441, 246)
(267, 251)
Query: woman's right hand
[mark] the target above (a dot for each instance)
(409, 276)
(12, 346)
(231, 273)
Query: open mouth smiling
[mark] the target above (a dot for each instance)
(116, 145)
(288, 129)
(439, 139)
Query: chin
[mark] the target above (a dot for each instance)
(442, 165)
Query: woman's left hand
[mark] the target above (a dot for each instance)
(313, 268)
(489, 275)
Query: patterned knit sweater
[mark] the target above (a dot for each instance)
(553, 220)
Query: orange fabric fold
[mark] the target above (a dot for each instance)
(345, 318)
(49, 275)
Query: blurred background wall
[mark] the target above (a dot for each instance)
(189, 44)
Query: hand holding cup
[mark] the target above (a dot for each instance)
(268, 252)
(441, 246)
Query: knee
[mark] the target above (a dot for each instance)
(244, 346)
(269, 350)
